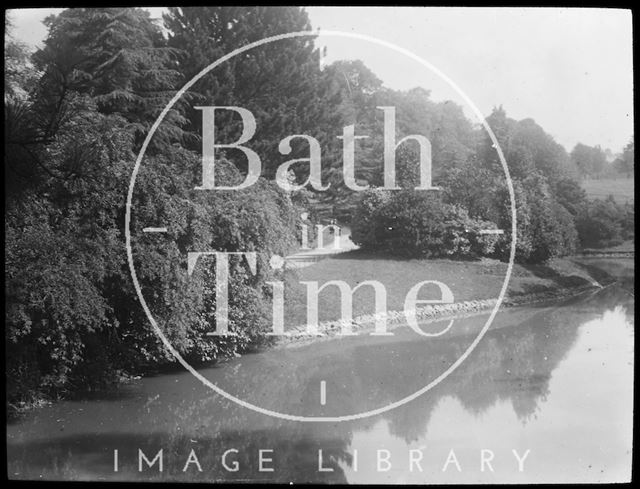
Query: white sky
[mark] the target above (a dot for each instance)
(569, 69)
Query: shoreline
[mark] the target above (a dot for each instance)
(395, 319)
(593, 279)
(328, 330)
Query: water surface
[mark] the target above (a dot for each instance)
(552, 382)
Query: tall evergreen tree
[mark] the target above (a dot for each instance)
(281, 83)
(117, 57)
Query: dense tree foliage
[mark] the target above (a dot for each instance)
(625, 163)
(119, 58)
(281, 83)
(603, 223)
(73, 319)
(78, 109)
(414, 223)
(546, 195)
(19, 73)
(590, 161)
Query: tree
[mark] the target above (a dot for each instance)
(502, 127)
(20, 77)
(116, 56)
(526, 148)
(73, 318)
(281, 83)
(546, 196)
(19, 73)
(599, 224)
(357, 87)
(364, 225)
(590, 161)
(418, 223)
(63, 246)
(570, 195)
(625, 163)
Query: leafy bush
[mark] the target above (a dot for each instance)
(602, 223)
(63, 246)
(364, 225)
(628, 221)
(569, 241)
(545, 228)
(570, 195)
(73, 319)
(418, 223)
(552, 231)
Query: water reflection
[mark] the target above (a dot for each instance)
(552, 380)
(572, 408)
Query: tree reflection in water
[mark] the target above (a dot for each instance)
(513, 364)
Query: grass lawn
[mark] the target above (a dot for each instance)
(626, 246)
(467, 280)
(621, 189)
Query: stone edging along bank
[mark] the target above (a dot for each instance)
(606, 254)
(362, 324)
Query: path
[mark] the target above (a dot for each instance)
(305, 258)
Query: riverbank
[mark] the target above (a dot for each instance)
(625, 249)
(524, 381)
(427, 315)
(475, 286)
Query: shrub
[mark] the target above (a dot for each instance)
(570, 195)
(73, 319)
(524, 244)
(260, 218)
(412, 223)
(545, 228)
(418, 223)
(627, 221)
(547, 236)
(364, 225)
(602, 223)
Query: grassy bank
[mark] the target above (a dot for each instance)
(626, 246)
(468, 280)
(622, 189)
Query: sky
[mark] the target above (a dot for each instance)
(569, 69)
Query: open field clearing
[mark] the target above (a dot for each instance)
(621, 189)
